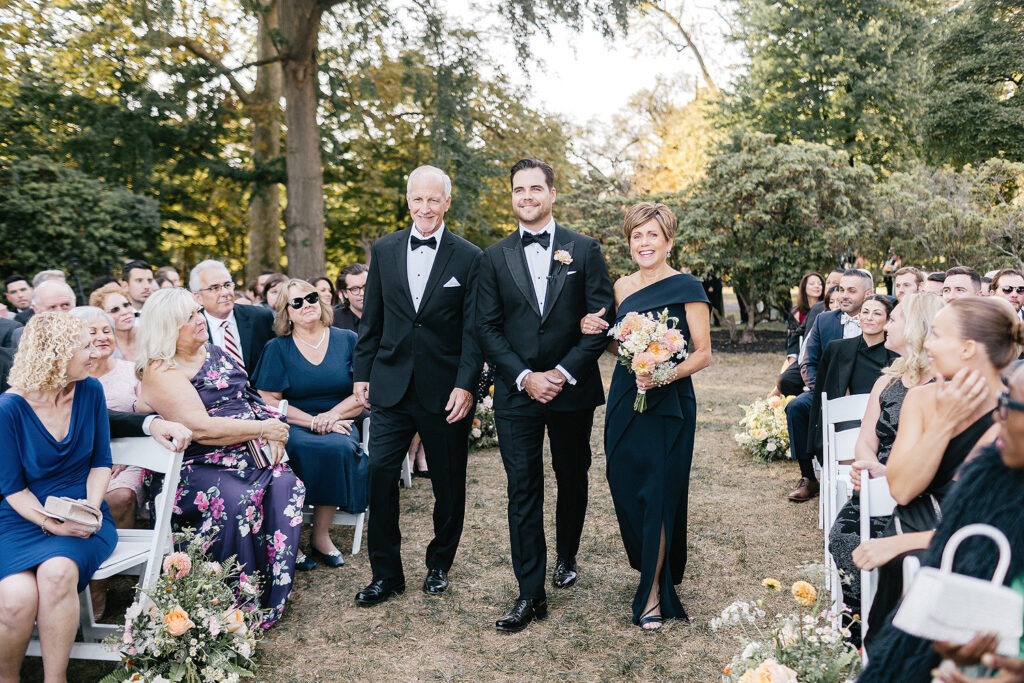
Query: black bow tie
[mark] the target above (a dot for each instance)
(416, 242)
(541, 238)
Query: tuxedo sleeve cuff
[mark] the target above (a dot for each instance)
(521, 378)
(569, 378)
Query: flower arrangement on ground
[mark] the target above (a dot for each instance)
(199, 623)
(483, 433)
(649, 345)
(800, 647)
(764, 434)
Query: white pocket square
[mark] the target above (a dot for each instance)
(571, 272)
(453, 283)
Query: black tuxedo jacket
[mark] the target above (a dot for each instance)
(256, 328)
(516, 335)
(437, 344)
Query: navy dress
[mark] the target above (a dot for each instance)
(648, 454)
(31, 458)
(331, 465)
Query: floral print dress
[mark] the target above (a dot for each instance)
(251, 512)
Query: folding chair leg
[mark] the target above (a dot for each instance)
(357, 534)
(406, 473)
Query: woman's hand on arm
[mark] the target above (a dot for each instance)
(594, 323)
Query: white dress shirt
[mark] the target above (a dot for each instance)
(419, 263)
(538, 262)
(217, 332)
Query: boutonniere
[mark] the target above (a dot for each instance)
(562, 256)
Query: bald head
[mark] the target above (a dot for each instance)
(53, 295)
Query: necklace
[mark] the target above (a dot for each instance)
(318, 344)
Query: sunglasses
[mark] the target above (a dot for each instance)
(298, 301)
(1006, 404)
(1008, 289)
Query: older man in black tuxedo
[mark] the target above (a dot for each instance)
(534, 287)
(415, 366)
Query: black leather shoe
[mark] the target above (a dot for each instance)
(565, 573)
(380, 590)
(304, 563)
(523, 612)
(436, 581)
(333, 560)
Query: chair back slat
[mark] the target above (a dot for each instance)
(144, 452)
(845, 408)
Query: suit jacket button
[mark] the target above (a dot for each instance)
(418, 325)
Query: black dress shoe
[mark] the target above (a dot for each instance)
(304, 563)
(565, 573)
(334, 560)
(423, 474)
(523, 612)
(380, 590)
(436, 581)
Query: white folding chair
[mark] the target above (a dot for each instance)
(138, 552)
(875, 501)
(347, 518)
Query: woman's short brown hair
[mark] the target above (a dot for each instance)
(638, 214)
(98, 296)
(282, 325)
(992, 322)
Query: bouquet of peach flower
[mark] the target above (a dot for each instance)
(763, 429)
(199, 623)
(649, 345)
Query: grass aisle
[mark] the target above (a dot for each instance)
(741, 529)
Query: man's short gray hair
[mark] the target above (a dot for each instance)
(59, 283)
(433, 170)
(44, 275)
(209, 264)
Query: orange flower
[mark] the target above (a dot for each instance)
(675, 340)
(804, 593)
(643, 363)
(769, 671)
(177, 563)
(177, 621)
(659, 352)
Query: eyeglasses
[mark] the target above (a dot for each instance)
(215, 289)
(1006, 404)
(356, 290)
(1008, 289)
(297, 302)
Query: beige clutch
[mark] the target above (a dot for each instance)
(66, 509)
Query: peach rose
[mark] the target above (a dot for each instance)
(643, 363)
(177, 622)
(675, 340)
(659, 352)
(178, 564)
(804, 593)
(234, 622)
(769, 671)
(775, 401)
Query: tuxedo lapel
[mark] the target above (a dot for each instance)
(401, 261)
(515, 258)
(445, 251)
(558, 270)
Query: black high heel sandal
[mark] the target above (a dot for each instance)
(654, 620)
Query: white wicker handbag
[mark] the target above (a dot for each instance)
(944, 606)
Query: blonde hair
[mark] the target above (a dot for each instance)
(919, 310)
(46, 348)
(163, 314)
(100, 295)
(282, 325)
(638, 214)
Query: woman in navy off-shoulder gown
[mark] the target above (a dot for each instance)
(648, 454)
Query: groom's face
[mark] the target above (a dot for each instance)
(532, 198)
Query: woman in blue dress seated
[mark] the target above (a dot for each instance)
(310, 365)
(234, 486)
(55, 442)
(648, 453)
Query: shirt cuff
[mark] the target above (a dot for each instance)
(521, 378)
(568, 377)
(147, 423)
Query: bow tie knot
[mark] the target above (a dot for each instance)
(415, 242)
(541, 238)
(847, 318)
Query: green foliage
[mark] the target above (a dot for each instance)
(975, 109)
(838, 72)
(52, 216)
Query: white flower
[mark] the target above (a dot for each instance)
(476, 433)
(133, 612)
(750, 649)
(562, 256)
(244, 649)
(771, 447)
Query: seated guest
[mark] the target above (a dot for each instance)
(137, 281)
(853, 365)
(971, 341)
(908, 280)
(44, 275)
(52, 295)
(242, 298)
(169, 274)
(351, 287)
(325, 287)
(989, 492)
(961, 282)
(250, 508)
(933, 283)
(310, 365)
(272, 288)
(241, 331)
(908, 327)
(19, 295)
(791, 380)
(1009, 284)
(113, 300)
(812, 287)
(261, 283)
(54, 427)
(986, 286)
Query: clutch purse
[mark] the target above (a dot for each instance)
(65, 509)
(944, 606)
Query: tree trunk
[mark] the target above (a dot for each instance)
(265, 113)
(304, 215)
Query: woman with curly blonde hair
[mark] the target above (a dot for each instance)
(56, 442)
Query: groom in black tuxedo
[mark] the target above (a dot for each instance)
(416, 366)
(534, 286)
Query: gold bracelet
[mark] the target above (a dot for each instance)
(42, 525)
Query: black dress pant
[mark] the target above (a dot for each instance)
(521, 441)
(446, 447)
